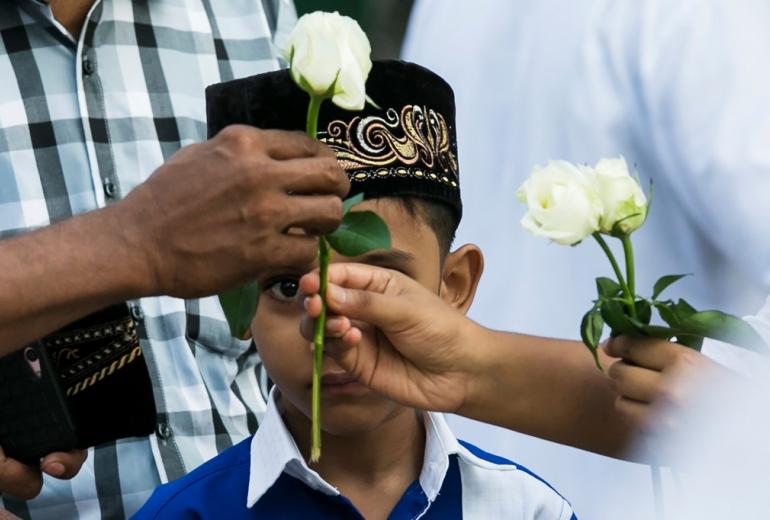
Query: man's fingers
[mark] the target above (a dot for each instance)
(282, 145)
(655, 354)
(18, 479)
(313, 176)
(290, 249)
(358, 276)
(381, 310)
(336, 327)
(634, 382)
(64, 465)
(317, 215)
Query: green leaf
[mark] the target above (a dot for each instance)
(240, 305)
(675, 313)
(649, 201)
(724, 327)
(607, 287)
(668, 314)
(643, 311)
(616, 231)
(663, 282)
(359, 233)
(371, 102)
(693, 342)
(684, 309)
(591, 332)
(351, 201)
(655, 331)
(614, 316)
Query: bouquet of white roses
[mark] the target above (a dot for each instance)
(567, 203)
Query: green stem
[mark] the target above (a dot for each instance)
(324, 253)
(312, 116)
(621, 280)
(628, 251)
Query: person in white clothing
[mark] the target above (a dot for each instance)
(677, 88)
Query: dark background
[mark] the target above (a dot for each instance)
(383, 21)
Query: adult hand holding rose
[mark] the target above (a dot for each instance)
(429, 356)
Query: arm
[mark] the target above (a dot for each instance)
(225, 203)
(546, 388)
(431, 357)
(58, 274)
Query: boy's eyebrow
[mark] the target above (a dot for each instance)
(391, 257)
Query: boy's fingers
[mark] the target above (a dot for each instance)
(655, 354)
(634, 382)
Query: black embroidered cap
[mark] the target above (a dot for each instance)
(408, 146)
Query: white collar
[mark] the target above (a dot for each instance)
(274, 451)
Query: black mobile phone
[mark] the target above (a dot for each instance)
(35, 417)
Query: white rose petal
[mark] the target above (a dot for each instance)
(562, 203)
(325, 50)
(622, 198)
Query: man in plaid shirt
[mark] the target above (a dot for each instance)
(96, 99)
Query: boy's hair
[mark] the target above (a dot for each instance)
(439, 217)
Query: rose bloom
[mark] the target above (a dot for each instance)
(562, 203)
(329, 56)
(622, 198)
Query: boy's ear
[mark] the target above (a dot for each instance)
(460, 276)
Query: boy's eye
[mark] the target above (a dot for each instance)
(285, 290)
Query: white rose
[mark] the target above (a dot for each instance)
(328, 50)
(562, 203)
(621, 196)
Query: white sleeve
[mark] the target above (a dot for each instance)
(738, 359)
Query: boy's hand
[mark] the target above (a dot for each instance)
(656, 380)
(420, 355)
(25, 482)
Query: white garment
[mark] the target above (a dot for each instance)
(722, 453)
(677, 87)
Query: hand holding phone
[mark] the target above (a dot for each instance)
(24, 481)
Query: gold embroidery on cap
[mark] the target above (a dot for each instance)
(417, 136)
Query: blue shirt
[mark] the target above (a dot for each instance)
(266, 477)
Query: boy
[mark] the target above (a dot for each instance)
(379, 459)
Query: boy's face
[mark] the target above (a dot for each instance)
(349, 407)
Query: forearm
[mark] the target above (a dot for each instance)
(56, 275)
(546, 388)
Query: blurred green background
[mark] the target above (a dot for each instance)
(383, 21)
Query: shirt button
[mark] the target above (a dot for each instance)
(163, 430)
(109, 188)
(137, 313)
(88, 66)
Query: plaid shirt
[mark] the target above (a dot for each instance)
(84, 121)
